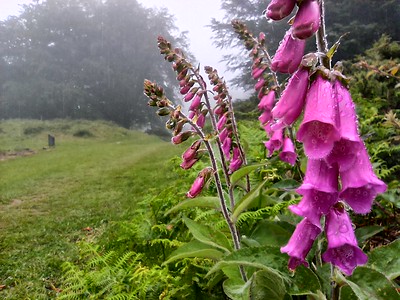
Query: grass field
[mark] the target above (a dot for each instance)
(50, 198)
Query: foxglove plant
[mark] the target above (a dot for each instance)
(338, 175)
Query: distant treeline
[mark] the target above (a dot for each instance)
(82, 59)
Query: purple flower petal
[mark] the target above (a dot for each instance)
(307, 20)
(288, 153)
(319, 130)
(343, 250)
(300, 243)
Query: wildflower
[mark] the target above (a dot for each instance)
(307, 20)
(300, 243)
(289, 54)
(346, 149)
(265, 117)
(236, 160)
(195, 102)
(319, 190)
(190, 153)
(279, 9)
(221, 122)
(360, 184)
(343, 250)
(289, 107)
(226, 146)
(288, 153)
(318, 130)
(199, 182)
(267, 101)
(275, 142)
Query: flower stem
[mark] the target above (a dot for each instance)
(322, 43)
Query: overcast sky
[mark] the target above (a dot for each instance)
(192, 16)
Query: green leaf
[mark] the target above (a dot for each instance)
(266, 257)
(334, 47)
(386, 259)
(270, 233)
(247, 200)
(286, 184)
(207, 202)
(304, 282)
(236, 176)
(368, 284)
(207, 235)
(236, 290)
(195, 249)
(267, 285)
(364, 233)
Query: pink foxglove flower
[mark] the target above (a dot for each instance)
(288, 153)
(181, 137)
(360, 184)
(265, 117)
(307, 20)
(275, 142)
(319, 129)
(226, 146)
(346, 149)
(236, 160)
(319, 190)
(289, 107)
(267, 101)
(201, 120)
(223, 134)
(195, 102)
(300, 243)
(187, 164)
(279, 9)
(260, 83)
(221, 122)
(199, 183)
(289, 54)
(343, 250)
(190, 153)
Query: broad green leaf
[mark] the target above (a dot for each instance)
(236, 290)
(237, 175)
(208, 235)
(386, 259)
(304, 282)
(195, 249)
(267, 285)
(364, 233)
(208, 202)
(368, 284)
(259, 257)
(270, 233)
(244, 203)
(286, 184)
(346, 293)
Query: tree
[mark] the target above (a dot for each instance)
(82, 59)
(363, 20)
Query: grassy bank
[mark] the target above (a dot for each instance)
(54, 197)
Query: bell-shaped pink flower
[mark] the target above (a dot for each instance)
(190, 153)
(279, 9)
(288, 153)
(260, 83)
(289, 54)
(187, 164)
(267, 101)
(194, 105)
(301, 243)
(319, 128)
(226, 146)
(307, 20)
(199, 183)
(319, 190)
(346, 149)
(221, 122)
(360, 185)
(181, 137)
(289, 107)
(275, 142)
(343, 250)
(236, 160)
(265, 117)
(201, 120)
(223, 134)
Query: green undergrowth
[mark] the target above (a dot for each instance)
(56, 197)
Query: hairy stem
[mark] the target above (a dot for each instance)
(322, 43)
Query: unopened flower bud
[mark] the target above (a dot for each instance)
(190, 153)
(289, 54)
(163, 111)
(195, 103)
(183, 136)
(307, 20)
(199, 183)
(279, 9)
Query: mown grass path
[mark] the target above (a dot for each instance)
(49, 200)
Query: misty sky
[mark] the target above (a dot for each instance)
(191, 16)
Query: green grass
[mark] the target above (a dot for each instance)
(47, 199)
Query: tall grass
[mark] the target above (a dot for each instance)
(57, 196)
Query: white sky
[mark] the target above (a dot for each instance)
(191, 15)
